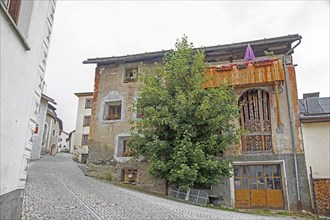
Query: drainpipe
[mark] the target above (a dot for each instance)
(293, 141)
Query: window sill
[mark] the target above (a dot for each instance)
(13, 24)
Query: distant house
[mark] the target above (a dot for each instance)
(53, 129)
(41, 127)
(83, 122)
(315, 124)
(269, 169)
(64, 144)
(25, 35)
(70, 141)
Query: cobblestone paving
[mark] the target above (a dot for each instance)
(57, 189)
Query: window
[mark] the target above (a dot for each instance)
(88, 103)
(14, 8)
(255, 118)
(36, 129)
(129, 176)
(130, 74)
(87, 120)
(113, 110)
(123, 149)
(84, 140)
(54, 132)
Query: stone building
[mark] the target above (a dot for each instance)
(26, 28)
(81, 136)
(269, 169)
(41, 131)
(315, 124)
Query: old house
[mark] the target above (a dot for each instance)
(64, 142)
(53, 128)
(315, 124)
(83, 121)
(41, 130)
(26, 28)
(269, 169)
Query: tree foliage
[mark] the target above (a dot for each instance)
(185, 128)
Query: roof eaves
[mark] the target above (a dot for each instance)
(159, 54)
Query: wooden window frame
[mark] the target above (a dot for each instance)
(83, 139)
(14, 9)
(88, 103)
(113, 110)
(87, 120)
(130, 74)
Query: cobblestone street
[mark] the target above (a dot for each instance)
(57, 189)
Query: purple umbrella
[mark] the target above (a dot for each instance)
(249, 55)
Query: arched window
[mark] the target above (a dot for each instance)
(255, 120)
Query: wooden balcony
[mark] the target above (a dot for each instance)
(245, 74)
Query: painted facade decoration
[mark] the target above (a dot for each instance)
(26, 28)
(269, 169)
(81, 135)
(315, 123)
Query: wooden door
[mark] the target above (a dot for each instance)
(258, 186)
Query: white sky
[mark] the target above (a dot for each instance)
(89, 29)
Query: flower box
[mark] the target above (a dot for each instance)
(129, 79)
(224, 68)
(263, 64)
(113, 117)
(241, 66)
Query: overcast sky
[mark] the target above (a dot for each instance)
(89, 29)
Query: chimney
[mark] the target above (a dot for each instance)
(309, 95)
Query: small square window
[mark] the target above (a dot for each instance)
(84, 140)
(88, 103)
(87, 120)
(113, 110)
(129, 176)
(131, 74)
(123, 149)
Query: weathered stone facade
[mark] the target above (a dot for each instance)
(113, 93)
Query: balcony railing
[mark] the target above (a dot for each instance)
(245, 73)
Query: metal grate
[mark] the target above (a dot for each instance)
(195, 196)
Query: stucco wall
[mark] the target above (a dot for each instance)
(41, 118)
(22, 71)
(316, 142)
(80, 129)
(103, 157)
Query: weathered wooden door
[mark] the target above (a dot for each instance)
(258, 186)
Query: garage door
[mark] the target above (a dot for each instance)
(258, 186)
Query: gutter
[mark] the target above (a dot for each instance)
(293, 141)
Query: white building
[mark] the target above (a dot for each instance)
(25, 32)
(315, 124)
(70, 140)
(42, 127)
(81, 139)
(64, 142)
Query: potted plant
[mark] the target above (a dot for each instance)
(263, 62)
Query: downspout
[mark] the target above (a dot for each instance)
(293, 141)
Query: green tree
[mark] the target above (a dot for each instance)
(185, 128)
